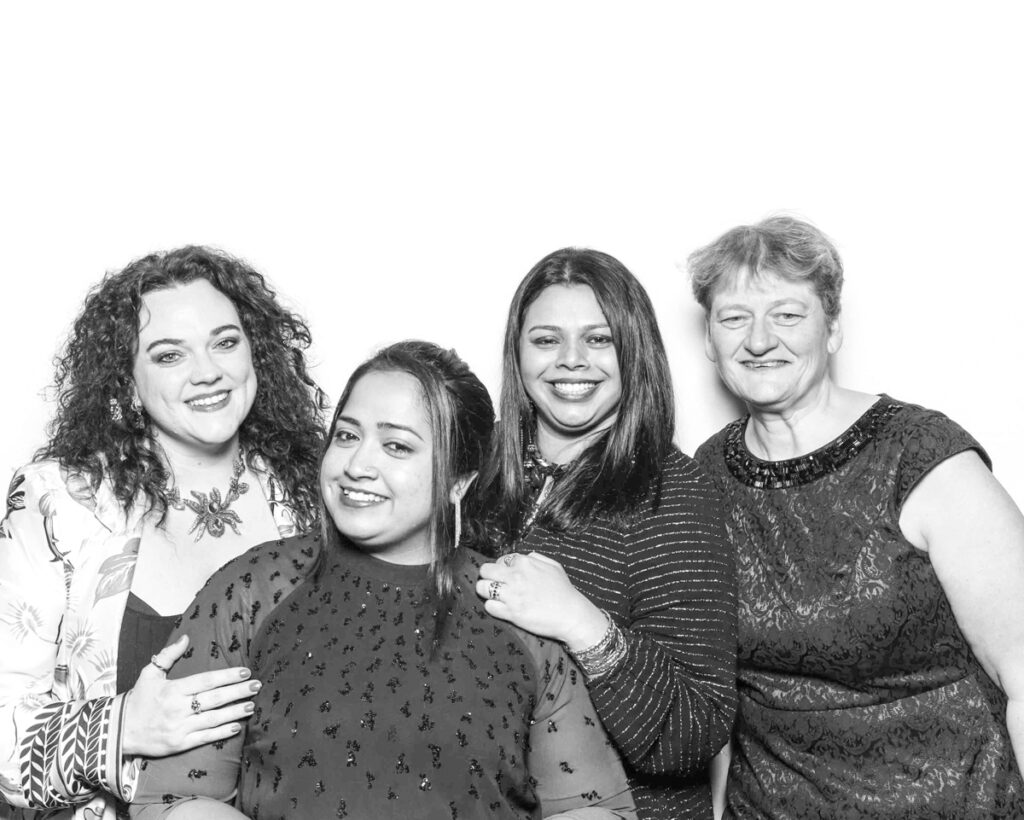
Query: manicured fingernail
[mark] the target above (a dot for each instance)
(250, 707)
(244, 673)
(255, 686)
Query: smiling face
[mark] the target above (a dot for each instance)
(771, 341)
(193, 369)
(377, 474)
(569, 368)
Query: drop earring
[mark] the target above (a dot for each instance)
(458, 522)
(116, 415)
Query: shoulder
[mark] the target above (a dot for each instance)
(711, 454)
(264, 574)
(685, 484)
(547, 657)
(48, 488)
(918, 438)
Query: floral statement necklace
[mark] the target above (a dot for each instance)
(213, 514)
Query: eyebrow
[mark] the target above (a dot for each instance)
(169, 341)
(381, 425)
(585, 328)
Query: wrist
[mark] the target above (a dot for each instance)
(587, 629)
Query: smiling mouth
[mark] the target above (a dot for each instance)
(766, 365)
(360, 498)
(573, 390)
(214, 401)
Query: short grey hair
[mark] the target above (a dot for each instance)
(780, 245)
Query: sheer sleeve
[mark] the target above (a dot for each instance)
(221, 624)
(57, 747)
(576, 768)
(670, 703)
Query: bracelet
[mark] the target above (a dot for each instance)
(602, 657)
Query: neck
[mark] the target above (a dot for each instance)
(777, 435)
(188, 464)
(559, 448)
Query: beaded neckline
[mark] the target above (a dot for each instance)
(793, 472)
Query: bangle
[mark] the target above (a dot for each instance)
(602, 657)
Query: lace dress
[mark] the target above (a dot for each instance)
(859, 695)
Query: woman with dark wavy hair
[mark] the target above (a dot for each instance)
(585, 477)
(187, 429)
(389, 691)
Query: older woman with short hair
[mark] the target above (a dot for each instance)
(881, 566)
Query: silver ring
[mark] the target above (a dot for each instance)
(163, 669)
(493, 589)
(508, 559)
(194, 705)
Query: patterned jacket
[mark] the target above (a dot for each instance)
(67, 556)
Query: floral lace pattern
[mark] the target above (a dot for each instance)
(859, 695)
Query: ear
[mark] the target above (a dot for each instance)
(835, 336)
(709, 349)
(461, 485)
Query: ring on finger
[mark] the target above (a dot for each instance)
(195, 706)
(156, 663)
(508, 559)
(494, 590)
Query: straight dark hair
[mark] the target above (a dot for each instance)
(461, 422)
(622, 466)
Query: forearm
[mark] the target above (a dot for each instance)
(190, 808)
(68, 752)
(664, 717)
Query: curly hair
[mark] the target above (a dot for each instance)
(96, 434)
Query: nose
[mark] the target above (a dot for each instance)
(761, 337)
(360, 464)
(205, 369)
(572, 355)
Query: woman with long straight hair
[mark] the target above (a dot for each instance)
(611, 539)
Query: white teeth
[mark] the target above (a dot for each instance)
(574, 388)
(356, 495)
(206, 401)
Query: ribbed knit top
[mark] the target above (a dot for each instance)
(669, 582)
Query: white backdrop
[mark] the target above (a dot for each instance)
(396, 169)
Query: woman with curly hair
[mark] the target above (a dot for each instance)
(187, 429)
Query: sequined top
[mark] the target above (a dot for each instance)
(859, 695)
(668, 579)
(357, 719)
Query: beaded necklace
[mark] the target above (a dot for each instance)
(213, 514)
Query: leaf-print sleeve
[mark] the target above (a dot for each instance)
(55, 749)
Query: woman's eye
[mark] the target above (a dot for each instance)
(732, 321)
(599, 339)
(788, 318)
(168, 357)
(344, 436)
(398, 448)
(228, 343)
(544, 341)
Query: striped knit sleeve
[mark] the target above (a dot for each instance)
(670, 703)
